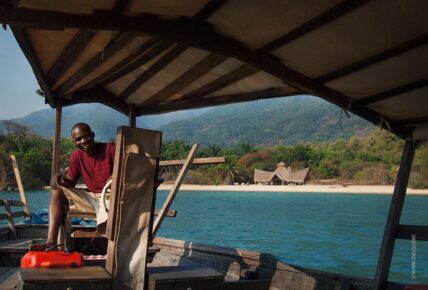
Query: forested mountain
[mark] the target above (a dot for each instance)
(102, 119)
(284, 121)
(290, 120)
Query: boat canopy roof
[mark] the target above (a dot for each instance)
(153, 56)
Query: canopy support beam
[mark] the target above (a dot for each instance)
(56, 139)
(132, 116)
(376, 58)
(394, 92)
(221, 82)
(69, 55)
(29, 53)
(97, 95)
(134, 56)
(121, 40)
(270, 93)
(187, 78)
(318, 21)
(162, 62)
(152, 53)
(395, 209)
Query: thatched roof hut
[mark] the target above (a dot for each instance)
(262, 176)
(299, 176)
(282, 175)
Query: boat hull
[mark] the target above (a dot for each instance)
(234, 264)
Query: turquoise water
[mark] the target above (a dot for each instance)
(332, 232)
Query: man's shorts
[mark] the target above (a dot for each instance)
(82, 201)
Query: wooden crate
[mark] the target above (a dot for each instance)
(90, 278)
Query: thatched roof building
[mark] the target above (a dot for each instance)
(262, 176)
(299, 176)
(282, 175)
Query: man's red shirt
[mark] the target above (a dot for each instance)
(95, 169)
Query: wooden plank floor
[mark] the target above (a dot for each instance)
(8, 278)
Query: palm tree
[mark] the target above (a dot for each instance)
(229, 170)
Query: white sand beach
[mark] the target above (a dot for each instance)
(364, 189)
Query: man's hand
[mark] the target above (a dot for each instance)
(56, 181)
(61, 180)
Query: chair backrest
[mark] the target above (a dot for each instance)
(132, 203)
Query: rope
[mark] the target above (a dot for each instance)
(91, 244)
(383, 121)
(344, 110)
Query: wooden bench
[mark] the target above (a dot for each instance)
(84, 278)
(197, 277)
(183, 277)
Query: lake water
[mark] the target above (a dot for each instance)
(326, 231)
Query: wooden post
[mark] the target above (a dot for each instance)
(180, 178)
(56, 140)
(20, 186)
(388, 242)
(132, 116)
(10, 222)
(196, 161)
(55, 157)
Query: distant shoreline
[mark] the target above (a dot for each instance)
(310, 188)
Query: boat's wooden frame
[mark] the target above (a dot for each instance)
(169, 38)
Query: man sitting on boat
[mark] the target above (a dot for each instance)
(94, 163)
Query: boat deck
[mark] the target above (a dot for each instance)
(9, 274)
(8, 278)
(183, 260)
(15, 246)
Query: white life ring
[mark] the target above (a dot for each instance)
(103, 195)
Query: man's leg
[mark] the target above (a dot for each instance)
(56, 213)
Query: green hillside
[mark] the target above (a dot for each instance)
(102, 119)
(288, 120)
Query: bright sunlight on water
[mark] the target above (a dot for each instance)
(326, 231)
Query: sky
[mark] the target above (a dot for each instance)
(18, 84)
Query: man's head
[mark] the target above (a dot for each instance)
(83, 137)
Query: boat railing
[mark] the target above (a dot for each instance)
(9, 215)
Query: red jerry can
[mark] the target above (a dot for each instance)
(53, 259)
